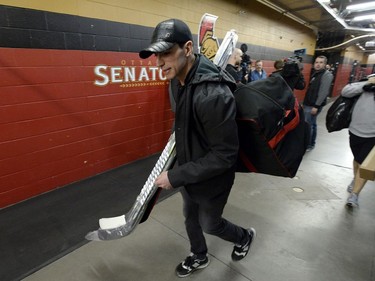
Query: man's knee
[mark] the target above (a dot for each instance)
(212, 226)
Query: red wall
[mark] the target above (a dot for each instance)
(57, 127)
(342, 78)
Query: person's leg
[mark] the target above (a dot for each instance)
(210, 215)
(360, 147)
(314, 131)
(351, 185)
(213, 223)
(198, 258)
(193, 228)
(359, 182)
(309, 118)
(355, 167)
(314, 128)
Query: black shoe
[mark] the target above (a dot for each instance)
(191, 264)
(240, 251)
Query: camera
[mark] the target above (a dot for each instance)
(246, 60)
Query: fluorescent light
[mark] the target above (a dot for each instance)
(360, 7)
(370, 44)
(365, 17)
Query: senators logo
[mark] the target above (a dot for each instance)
(208, 43)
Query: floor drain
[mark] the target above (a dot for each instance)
(298, 189)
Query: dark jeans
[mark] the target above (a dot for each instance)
(311, 119)
(206, 216)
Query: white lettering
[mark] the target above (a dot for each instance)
(124, 74)
(153, 72)
(116, 75)
(143, 75)
(129, 74)
(161, 77)
(105, 77)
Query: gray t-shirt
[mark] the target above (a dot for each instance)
(363, 116)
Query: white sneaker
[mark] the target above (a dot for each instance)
(350, 187)
(352, 200)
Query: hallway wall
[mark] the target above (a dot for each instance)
(77, 101)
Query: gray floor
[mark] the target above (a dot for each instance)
(302, 236)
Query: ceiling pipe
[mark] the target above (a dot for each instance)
(347, 43)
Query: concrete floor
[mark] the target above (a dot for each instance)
(301, 236)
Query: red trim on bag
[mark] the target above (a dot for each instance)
(285, 129)
(246, 162)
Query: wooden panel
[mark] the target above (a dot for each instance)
(367, 169)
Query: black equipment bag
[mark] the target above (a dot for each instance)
(339, 114)
(272, 131)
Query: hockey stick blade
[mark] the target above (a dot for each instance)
(226, 48)
(121, 226)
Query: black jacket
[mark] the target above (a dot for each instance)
(206, 131)
(318, 90)
(232, 70)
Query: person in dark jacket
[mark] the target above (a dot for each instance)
(234, 63)
(206, 142)
(316, 96)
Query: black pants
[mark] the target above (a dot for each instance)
(205, 215)
(360, 147)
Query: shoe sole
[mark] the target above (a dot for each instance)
(191, 272)
(352, 205)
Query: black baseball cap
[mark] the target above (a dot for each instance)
(166, 34)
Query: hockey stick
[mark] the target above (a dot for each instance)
(226, 49)
(118, 227)
(121, 226)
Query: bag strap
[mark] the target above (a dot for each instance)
(286, 128)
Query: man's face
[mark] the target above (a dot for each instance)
(173, 62)
(259, 66)
(319, 64)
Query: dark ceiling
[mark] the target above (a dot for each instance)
(336, 22)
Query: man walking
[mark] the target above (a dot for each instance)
(206, 143)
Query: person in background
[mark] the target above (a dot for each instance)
(291, 71)
(361, 131)
(258, 73)
(247, 77)
(234, 63)
(278, 65)
(316, 96)
(206, 143)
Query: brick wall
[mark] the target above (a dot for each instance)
(56, 126)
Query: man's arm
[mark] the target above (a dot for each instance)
(325, 86)
(353, 89)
